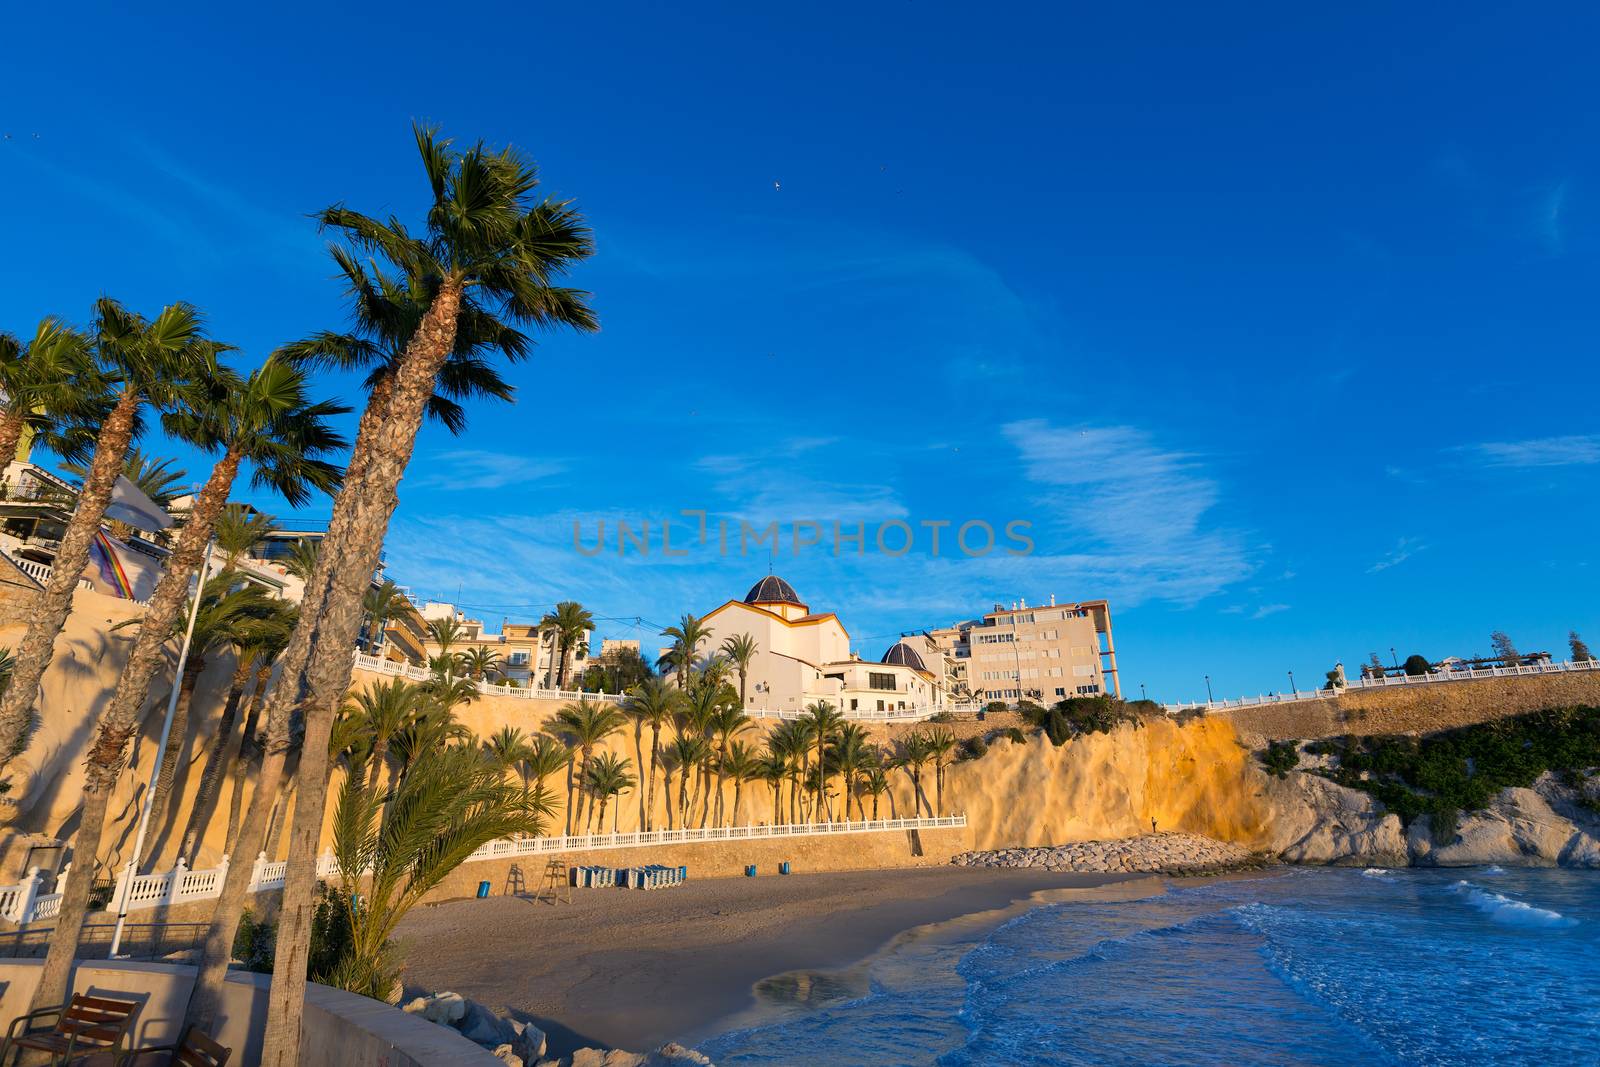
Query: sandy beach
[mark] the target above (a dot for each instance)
(633, 970)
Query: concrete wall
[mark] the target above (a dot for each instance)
(1417, 708)
(339, 1029)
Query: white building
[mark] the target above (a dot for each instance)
(804, 656)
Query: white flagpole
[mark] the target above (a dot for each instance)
(161, 749)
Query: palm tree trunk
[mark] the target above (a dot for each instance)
(874, 807)
(177, 739)
(216, 762)
(50, 613)
(330, 667)
(638, 752)
(938, 789)
(104, 762)
(655, 752)
(666, 798)
(249, 755)
(822, 771)
(571, 810)
(11, 426)
(683, 797)
(735, 821)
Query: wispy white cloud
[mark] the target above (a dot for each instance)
(1568, 451)
(1134, 516)
(1268, 609)
(472, 469)
(1403, 550)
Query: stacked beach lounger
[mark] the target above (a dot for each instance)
(651, 876)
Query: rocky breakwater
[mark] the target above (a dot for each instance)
(1161, 853)
(522, 1044)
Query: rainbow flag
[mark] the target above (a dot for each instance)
(111, 570)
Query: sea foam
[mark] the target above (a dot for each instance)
(1504, 909)
(1377, 872)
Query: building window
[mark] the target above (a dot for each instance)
(1060, 692)
(853, 703)
(1082, 670)
(880, 681)
(880, 705)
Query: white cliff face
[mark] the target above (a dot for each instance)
(1319, 821)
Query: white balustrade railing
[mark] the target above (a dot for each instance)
(24, 903)
(397, 669)
(1431, 678)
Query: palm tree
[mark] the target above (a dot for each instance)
(543, 757)
(742, 764)
(391, 853)
(654, 702)
(570, 622)
(302, 558)
(941, 743)
(727, 720)
(740, 650)
(774, 770)
(488, 253)
(790, 741)
(47, 390)
(387, 709)
(226, 617)
(687, 637)
(850, 754)
(239, 529)
(584, 724)
(379, 604)
(914, 755)
(608, 777)
(825, 720)
(141, 363)
(875, 781)
(159, 479)
(509, 748)
(254, 645)
(480, 662)
(446, 633)
(251, 748)
(688, 753)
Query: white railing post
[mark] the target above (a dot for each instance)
(174, 881)
(119, 896)
(257, 871)
(22, 910)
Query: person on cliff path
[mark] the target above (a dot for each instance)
(1152, 824)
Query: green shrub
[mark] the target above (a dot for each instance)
(254, 944)
(1417, 666)
(995, 706)
(1280, 758)
(972, 748)
(1461, 770)
(332, 939)
(943, 716)
(1015, 736)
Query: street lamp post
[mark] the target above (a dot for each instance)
(1394, 658)
(1292, 689)
(1209, 698)
(1141, 692)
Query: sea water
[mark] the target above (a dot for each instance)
(1311, 966)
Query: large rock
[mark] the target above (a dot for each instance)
(675, 1055)
(529, 1042)
(505, 1053)
(1319, 821)
(445, 1009)
(483, 1026)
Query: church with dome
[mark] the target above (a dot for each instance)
(804, 656)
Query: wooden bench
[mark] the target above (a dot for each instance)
(197, 1049)
(86, 1026)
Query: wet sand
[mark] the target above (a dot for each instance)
(629, 969)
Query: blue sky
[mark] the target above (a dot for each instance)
(1277, 326)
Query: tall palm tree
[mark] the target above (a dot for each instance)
(584, 724)
(238, 530)
(480, 662)
(849, 755)
(740, 650)
(254, 646)
(140, 363)
(688, 752)
(47, 388)
(727, 721)
(824, 721)
(608, 777)
(386, 710)
(379, 604)
(875, 781)
(226, 617)
(570, 622)
(941, 743)
(914, 755)
(790, 741)
(774, 770)
(266, 420)
(687, 637)
(251, 749)
(543, 757)
(446, 633)
(508, 747)
(651, 702)
(391, 851)
(742, 764)
(488, 252)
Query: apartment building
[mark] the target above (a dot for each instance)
(1043, 653)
